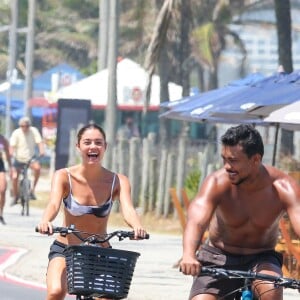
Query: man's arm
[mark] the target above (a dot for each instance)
(41, 149)
(12, 144)
(39, 141)
(199, 215)
(289, 192)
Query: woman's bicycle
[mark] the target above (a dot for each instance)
(248, 277)
(25, 187)
(94, 271)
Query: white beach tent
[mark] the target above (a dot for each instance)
(131, 87)
(287, 117)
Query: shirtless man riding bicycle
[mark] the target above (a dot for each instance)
(240, 205)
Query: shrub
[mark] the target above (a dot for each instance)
(191, 183)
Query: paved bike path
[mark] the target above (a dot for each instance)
(154, 276)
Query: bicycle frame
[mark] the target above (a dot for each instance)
(249, 277)
(25, 187)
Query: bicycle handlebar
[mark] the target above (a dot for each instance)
(33, 158)
(27, 164)
(92, 237)
(230, 274)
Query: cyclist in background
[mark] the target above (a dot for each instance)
(4, 149)
(87, 192)
(23, 142)
(241, 206)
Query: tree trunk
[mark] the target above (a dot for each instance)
(283, 17)
(111, 107)
(185, 82)
(103, 34)
(29, 61)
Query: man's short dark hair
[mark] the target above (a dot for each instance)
(246, 136)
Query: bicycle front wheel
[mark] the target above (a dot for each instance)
(25, 196)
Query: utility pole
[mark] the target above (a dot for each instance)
(111, 107)
(13, 35)
(11, 69)
(103, 34)
(29, 55)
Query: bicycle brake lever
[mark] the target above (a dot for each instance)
(64, 233)
(120, 236)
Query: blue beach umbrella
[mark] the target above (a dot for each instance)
(250, 104)
(209, 99)
(268, 95)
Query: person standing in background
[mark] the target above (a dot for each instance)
(129, 129)
(4, 149)
(23, 142)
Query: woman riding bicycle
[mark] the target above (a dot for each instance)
(87, 191)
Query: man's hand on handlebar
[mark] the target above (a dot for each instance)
(190, 266)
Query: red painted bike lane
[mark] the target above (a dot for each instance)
(8, 257)
(13, 287)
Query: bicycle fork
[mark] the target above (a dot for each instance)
(247, 293)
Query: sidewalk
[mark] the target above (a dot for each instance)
(154, 276)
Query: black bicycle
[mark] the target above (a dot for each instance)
(248, 277)
(94, 271)
(25, 187)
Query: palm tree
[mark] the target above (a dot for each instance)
(283, 17)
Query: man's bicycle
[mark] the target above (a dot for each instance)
(97, 272)
(25, 187)
(247, 278)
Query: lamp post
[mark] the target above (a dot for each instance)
(29, 55)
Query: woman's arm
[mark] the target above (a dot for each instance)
(56, 195)
(127, 208)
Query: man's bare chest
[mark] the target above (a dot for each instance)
(260, 208)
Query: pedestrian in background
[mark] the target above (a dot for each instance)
(4, 150)
(23, 142)
(129, 129)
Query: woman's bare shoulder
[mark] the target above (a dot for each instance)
(122, 179)
(60, 174)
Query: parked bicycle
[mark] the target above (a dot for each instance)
(247, 279)
(94, 271)
(25, 187)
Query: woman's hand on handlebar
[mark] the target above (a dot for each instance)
(140, 233)
(45, 228)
